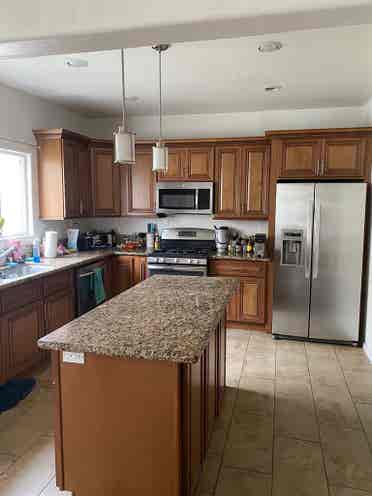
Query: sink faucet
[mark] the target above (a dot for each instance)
(5, 253)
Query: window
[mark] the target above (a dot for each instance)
(15, 193)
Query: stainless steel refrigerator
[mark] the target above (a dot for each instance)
(319, 240)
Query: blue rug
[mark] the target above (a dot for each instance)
(12, 392)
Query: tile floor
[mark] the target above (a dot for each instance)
(297, 421)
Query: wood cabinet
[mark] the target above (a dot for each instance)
(141, 185)
(189, 163)
(59, 310)
(242, 181)
(319, 156)
(20, 331)
(64, 175)
(28, 311)
(128, 270)
(105, 180)
(59, 300)
(248, 307)
(144, 393)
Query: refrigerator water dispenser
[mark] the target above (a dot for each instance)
(292, 247)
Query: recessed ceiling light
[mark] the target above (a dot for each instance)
(270, 46)
(76, 63)
(273, 88)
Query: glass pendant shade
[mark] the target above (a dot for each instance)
(124, 147)
(159, 158)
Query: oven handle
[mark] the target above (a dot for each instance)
(173, 268)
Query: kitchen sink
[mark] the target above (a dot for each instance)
(22, 270)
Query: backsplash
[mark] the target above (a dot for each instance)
(129, 225)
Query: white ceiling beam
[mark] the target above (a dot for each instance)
(193, 31)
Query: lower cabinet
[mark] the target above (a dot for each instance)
(128, 270)
(59, 309)
(20, 331)
(248, 306)
(21, 327)
(204, 384)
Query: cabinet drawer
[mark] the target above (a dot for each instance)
(237, 268)
(23, 294)
(58, 282)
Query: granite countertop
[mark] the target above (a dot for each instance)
(137, 253)
(52, 265)
(163, 318)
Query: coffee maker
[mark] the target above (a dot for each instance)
(222, 236)
(260, 245)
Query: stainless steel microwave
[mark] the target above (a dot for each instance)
(184, 198)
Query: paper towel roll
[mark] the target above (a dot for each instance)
(50, 247)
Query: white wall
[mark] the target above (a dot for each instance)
(235, 124)
(20, 113)
(368, 321)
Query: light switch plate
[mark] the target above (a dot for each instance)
(72, 357)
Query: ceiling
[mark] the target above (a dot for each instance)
(317, 68)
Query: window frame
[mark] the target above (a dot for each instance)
(29, 155)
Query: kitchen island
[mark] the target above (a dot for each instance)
(140, 382)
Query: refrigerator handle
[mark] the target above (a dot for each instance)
(316, 239)
(309, 229)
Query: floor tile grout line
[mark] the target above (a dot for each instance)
(318, 423)
(221, 465)
(354, 403)
(46, 485)
(274, 423)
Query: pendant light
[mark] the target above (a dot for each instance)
(159, 151)
(124, 141)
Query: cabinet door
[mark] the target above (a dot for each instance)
(211, 385)
(122, 277)
(252, 300)
(221, 364)
(71, 179)
(300, 158)
(177, 166)
(233, 307)
(3, 351)
(106, 183)
(23, 328)
(344, 157)
(139, 267)
(85, 181)
(141, 185)
(228, 168)
(255, 179)
(59, 309)
(200, 166)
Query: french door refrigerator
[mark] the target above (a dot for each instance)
(319, 239)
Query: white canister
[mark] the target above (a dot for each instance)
(150, 241)
(50, 246)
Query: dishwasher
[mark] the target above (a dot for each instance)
(86, 297)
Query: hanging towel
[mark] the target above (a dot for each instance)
(99, 288)
(12, 392)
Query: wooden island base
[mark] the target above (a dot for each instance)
(136, 427)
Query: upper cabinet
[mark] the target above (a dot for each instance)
(242, 181)
(64, 175)
(105, 181)
(189, 163)
(140, 190)
(319, 154)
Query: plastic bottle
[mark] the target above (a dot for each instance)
(36, 250)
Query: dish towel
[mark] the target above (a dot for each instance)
(99, 288)
(12, 392)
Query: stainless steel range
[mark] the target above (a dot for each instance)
(184, 251)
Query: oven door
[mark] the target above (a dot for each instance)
(186, 198)
(176, 270)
